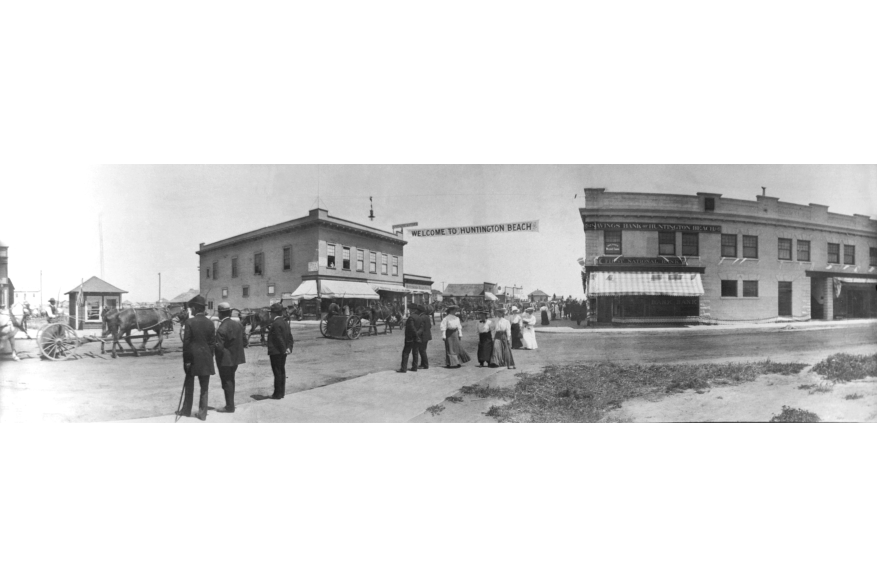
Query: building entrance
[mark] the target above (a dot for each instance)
(784, 297)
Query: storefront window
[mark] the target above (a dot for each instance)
(612, 242)
(690, 244)
(750, 289)
(729, 288)
(750, 247)
(784, 249)
(666, 243)
(729, 245)
(803, 250)
(833, 253)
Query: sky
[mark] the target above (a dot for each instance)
(154, 216)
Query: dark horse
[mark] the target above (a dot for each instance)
(121, 322)
(390, 315)
(258, 321)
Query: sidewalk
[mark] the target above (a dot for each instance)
(710, 329)
(385, 396)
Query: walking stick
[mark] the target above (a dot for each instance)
(180, 406)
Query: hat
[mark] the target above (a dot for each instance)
(500, 310)
(51, 300)
(224, 307)
(515, 309)
(198, 301)
(277, 307)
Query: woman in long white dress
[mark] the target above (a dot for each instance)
(529, 322)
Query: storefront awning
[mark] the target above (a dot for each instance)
(389, 287)
(637, 283)
(856, 279)
(490, 296)
(333, 289)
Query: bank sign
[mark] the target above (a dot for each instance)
(506, 227)
(650, 226)
(665, 260)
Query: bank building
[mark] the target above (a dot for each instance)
(702, 259)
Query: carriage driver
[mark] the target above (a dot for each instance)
(51, 310)
(334, 309)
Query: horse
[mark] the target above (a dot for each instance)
(23, 310)
(121, 322)
(9, 325)
(389, 314)
(430, 310)
(258, 321)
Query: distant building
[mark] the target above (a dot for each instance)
(85, 311)
(419, 288)
(474, 292)
(30, 296)
(538, 296)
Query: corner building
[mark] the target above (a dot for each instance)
(663, 258)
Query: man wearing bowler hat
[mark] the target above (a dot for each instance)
(230, 343)
(279, 345)
(198, 343)
(426, 336)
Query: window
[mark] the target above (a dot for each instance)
(330, 256)
(208, 273)
(666, 243)
(271, 290)
(345, 258)
(729, 245)
(383, 263)
(209, 304)
(873, 256)
(690, 244)
(750, 247)
(849, 254)
(803, 250)
(395, 265)
(234, 266)
(225, 292)
(833, 253)
(258, 263)
(360, 262)
(246, 291)
(784, 249)
(709, 204)
(287, 258)
(612, 242)
(729, 288)
(373, 262)
(750, 289)
(215, 269)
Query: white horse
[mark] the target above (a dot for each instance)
(9, 326)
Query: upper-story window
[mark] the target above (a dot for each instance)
(666, 243)
(750, 247)
(287, 258)
(207, 272)
(215, 269)
(850, 254)
(803, 250)
(246, 291)
(873, 256)
(784, 249)
(709, 204)
(395, 265)
(383, 263)
(729, 245)
(259, 263)
(690, 244)
(330, 256)
(373, 262)
(345, 258)
(234, 266)
(612, 242)
(833, 253)
(360, 260)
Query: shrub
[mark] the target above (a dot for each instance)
(844, 367)
(795, 415)
(853, 396)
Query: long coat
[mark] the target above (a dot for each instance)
(230, 344)
(413, 329)
(426, 325)
(279, 337)
(198, 343)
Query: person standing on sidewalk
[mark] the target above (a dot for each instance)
(501, 350)
(426, 336)
(279, 346)
(452, 334)
(198, 343)
(413, 332)
(230, 343)
(485, 339)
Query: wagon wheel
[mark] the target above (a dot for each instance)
(56, 341)
(354, 327)
(324, 326)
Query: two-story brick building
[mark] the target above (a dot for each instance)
(317, 255)
(704, 258)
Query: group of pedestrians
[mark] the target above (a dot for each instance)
(418, 333)
(204, 344)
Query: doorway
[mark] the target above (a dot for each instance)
(784, 298)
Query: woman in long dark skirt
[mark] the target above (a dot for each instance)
(452, 333)
(544, 311)
(485, 339)
(517, 336)
(502, 351)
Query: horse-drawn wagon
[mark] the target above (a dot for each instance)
(341, 326)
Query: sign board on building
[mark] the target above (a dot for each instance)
(652, 226)
(500, 228)
(313, 266)
(665, 260)
(395, 226)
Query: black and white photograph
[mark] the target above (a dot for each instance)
(447, 294)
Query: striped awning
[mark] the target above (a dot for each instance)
(644, 283)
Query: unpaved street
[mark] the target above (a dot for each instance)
(98, 388)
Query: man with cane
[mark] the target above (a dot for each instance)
(198, 344)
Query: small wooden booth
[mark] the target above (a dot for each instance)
(85, 313)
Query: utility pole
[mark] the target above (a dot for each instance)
(159, 287)
(41, 290)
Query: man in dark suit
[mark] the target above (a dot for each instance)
(230, 343)
(426, 336)
(413, 330)
(279, 345)
(198, 343)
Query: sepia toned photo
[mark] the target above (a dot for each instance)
(447, 294)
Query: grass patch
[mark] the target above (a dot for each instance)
(853, 396)
(586, 392)
(844, 367)
(795, 416)
(436, 409)
(454, 399)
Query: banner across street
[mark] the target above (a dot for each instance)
(504, 227)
